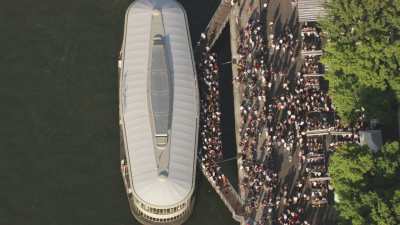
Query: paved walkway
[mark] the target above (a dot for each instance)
(229, 196)
(280, 12)
(218, 22)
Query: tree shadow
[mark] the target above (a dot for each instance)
(383, 105)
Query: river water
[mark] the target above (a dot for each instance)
(59, 138)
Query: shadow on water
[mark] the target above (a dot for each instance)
(223, 51)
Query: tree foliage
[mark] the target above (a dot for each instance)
(367, 183)
(362, 55)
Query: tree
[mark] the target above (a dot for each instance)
(377, 209)
(388, 162)
(348, 168)
(350, 164)
(396, 204)
(367, 184)
(363, 54)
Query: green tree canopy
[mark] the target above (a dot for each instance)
(362, 54)
(367, 184)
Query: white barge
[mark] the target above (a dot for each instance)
(158, 110)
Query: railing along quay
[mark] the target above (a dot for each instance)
(228, 195)
(218, 22)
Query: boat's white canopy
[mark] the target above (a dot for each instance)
(138, 69)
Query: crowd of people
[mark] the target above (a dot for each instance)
(255, 80)
(278, 111)
(311, 36)
(210, 117)
(313, 112)
(268, 95)
(281, 112)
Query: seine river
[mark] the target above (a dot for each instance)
(59, 138)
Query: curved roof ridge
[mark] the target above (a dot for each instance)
(146, 183)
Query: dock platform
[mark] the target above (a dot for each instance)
(276, 16)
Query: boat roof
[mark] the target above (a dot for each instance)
(159, 102)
